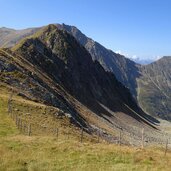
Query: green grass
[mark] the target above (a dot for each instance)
(44, 152)
(48, 153)
(7, 126)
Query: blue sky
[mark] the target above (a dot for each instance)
(139, 28)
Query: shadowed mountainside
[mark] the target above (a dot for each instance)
(125, 70)
(137, 78)
(53, 68)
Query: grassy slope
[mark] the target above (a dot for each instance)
(46, 152)
(7, 126)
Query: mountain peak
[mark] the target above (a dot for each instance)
(43, 33)
(49, 28)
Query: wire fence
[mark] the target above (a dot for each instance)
(123, 137)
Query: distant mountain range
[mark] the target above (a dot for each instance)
(143, 61)
(150, 85)
(154, 88)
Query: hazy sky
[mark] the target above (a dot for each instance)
(134, 27)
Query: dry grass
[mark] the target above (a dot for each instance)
(45, 152)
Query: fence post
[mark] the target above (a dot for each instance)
(57, 133)
(10, 103)
(21, 125)
(142, 138)
(16, 119)
(81, 138)
(18, 123)
(45, 109)
(24, 127)
(9, 107)
(120, 134)
(98, 140)
(29, 129)
(68, 135)
(13, 116)
(166, 147)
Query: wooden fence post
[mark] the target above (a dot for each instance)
(29, 129)
(24, 127)
(81, 138)
(10, 102)
(142, 138)
(18, 123)
(68, 135)
(120, 136)
(98, 140)
(16, 119)
(45, 110)
(9, 107)
(57, 133)
(13, 116)
(166, 147)
(21, 125)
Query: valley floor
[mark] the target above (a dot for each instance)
(19, 152)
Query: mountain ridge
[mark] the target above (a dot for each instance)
(129, 73)
(53, 68)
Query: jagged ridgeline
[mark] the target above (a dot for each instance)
(52, 67)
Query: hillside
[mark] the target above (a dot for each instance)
(125, 70)
(130, 74)
(44, 151)
(10, 37)
(53, 68)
